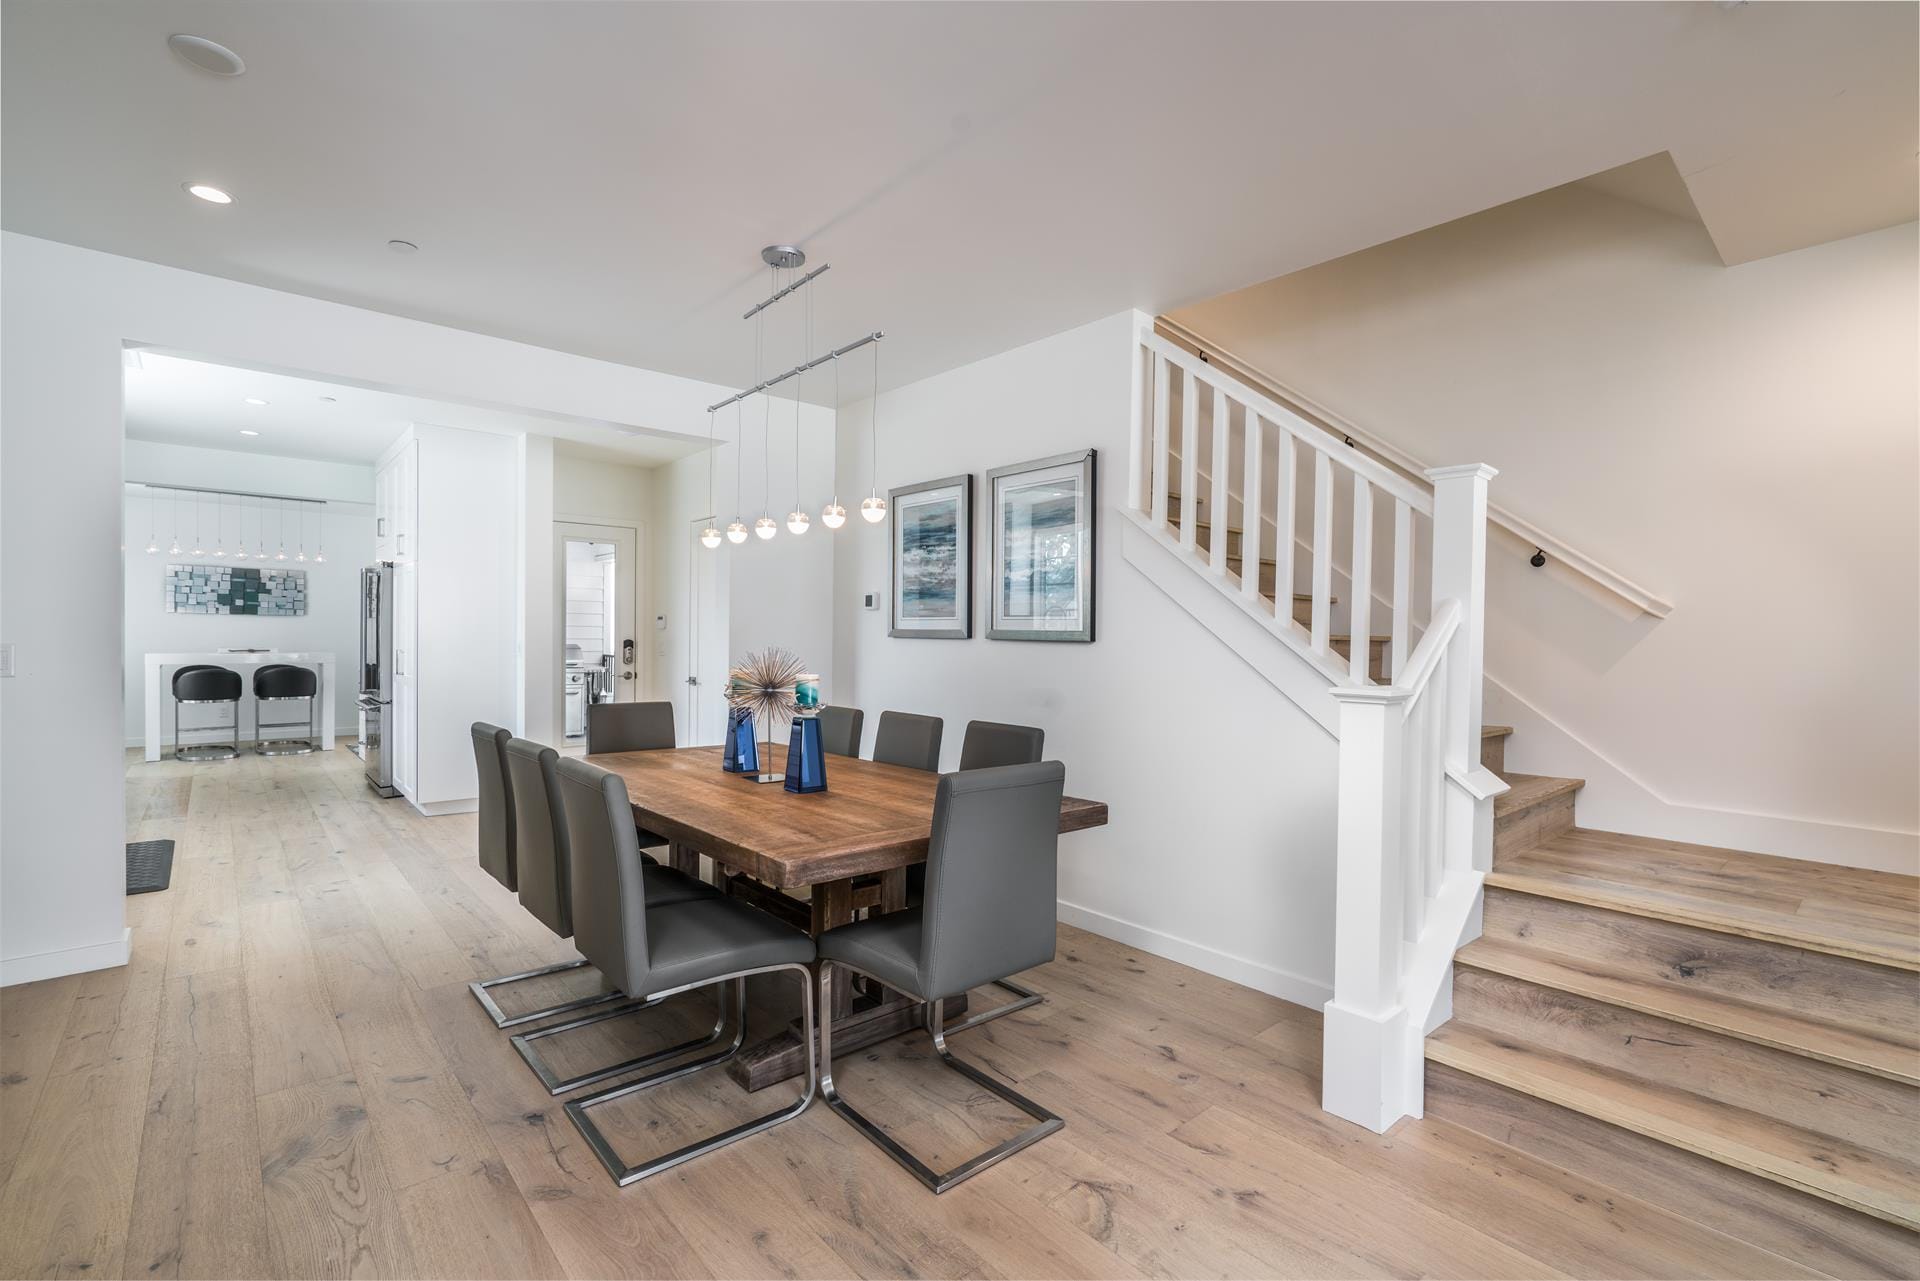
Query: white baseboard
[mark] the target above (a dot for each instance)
(1258, 975)
(66, 960)
(435, 809)
(1616, 800)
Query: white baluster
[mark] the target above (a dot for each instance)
(1251, 502)
(1189, 459)
(1162, 441)
(1360, 609)
(1284, 487)
(1322, 551)
(1402, 581)
(1222, 493)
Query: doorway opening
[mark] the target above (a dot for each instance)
(599, 586)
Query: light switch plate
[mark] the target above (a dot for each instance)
(6, 658)
(870, 601)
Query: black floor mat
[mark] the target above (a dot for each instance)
(149, 866)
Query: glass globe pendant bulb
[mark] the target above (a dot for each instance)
(833, 515)
(873, 508)
(281, 554)
(219, 553)
(240, 552)
(765, 528)
(152, 547)
(199, 551)
(175, 549)
(797, 521)
(710, 536)
(737, 531)
(320, 557)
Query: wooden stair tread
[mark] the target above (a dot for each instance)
(1870, 916)
(1524, 791)
(1495, 731)
(1872, 1183)
(1882, 1052)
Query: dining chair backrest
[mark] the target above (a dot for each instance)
(629, 727)
(283, 680)
(992, 894)
(539, 843)
(990, 743)
(205, 683)
(903, 738)
(496, 803)
(609, 887)
(840, 730)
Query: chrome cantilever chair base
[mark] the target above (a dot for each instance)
(1027, 998)
(624, 1174)
(937, 1182)
(557, 1084)
(479, 988)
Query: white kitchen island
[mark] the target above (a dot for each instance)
(161, 667)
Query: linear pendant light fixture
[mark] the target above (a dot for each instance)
(781, 258)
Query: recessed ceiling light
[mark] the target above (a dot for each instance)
(403, 246)
(212, 195)
(248, 431)
(255, 400)
(206, 55)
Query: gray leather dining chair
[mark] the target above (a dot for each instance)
(520, 832)
(992, 892)
(991, 743)
(841, 729)
(987, 745)
(656, 951)
(902, 738)
(630, 727)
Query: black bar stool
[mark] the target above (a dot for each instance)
(199, 684)
(282, 683)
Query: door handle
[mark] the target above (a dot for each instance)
(626, 676)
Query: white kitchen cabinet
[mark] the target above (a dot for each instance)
(448, 499)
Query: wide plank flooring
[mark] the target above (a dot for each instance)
(291, 1079)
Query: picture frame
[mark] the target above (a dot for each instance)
(930, 528)
(1044, 533)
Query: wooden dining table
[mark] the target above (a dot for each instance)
(849, 847)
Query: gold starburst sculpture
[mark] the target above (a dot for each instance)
(763, 683)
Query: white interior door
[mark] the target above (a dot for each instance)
(597, 584)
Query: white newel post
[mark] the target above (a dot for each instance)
(1365, 1073)
(1460, 573)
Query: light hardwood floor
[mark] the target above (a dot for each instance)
(291, 1079)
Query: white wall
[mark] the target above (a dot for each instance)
(67, 312)
(332, 620)
(1220, 848)
(1743, 441)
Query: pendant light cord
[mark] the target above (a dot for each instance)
(873, 420)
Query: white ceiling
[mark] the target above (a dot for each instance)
(181, 401)
(598, 177)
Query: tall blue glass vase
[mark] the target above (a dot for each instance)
(741, 754)
(806, 757)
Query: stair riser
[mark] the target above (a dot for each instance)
(1869, 1112)
(1493, 753)
(1524, 828)
(1831, 1238)
(1376, 658)
(1773, 976)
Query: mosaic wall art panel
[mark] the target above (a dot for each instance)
(221, 589)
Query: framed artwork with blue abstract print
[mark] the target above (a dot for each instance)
(932, 525)
(1043, 517)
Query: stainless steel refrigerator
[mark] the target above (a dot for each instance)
(376, 675)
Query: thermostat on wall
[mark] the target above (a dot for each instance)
(870, 601)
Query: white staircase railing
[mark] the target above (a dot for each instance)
(1415, 810)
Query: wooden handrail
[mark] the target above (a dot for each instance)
(1406, 466)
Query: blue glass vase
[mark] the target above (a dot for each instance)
(741, 754)
(806, 757)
